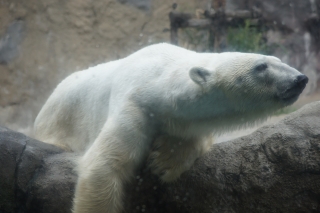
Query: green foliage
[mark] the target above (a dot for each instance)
(246, 39)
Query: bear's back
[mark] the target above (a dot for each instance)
(79, 107)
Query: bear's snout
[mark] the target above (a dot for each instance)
(298, 85)
(301, 81)
(292, 92)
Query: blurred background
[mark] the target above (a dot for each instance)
(43, 41)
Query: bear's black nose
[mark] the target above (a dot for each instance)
(301, 80)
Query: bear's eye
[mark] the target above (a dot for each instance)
(261, 67)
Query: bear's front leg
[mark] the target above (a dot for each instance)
(171, 156)
(108, 164)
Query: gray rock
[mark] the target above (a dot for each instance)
(141, 4)
(275, 169)
(34, 176)
(10, 41)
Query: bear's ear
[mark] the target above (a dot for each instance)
(199, 75)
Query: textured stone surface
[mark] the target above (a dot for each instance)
(34, 176)
(141, 4)
(10, 41)
(275, 169)
(61, 37)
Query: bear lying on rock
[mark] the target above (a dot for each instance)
(162, 98)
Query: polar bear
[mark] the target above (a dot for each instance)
(162, 98)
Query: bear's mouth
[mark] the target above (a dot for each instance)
(291, 95)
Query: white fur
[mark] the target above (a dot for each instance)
(162, 98)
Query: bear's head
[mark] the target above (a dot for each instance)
(249, 83)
